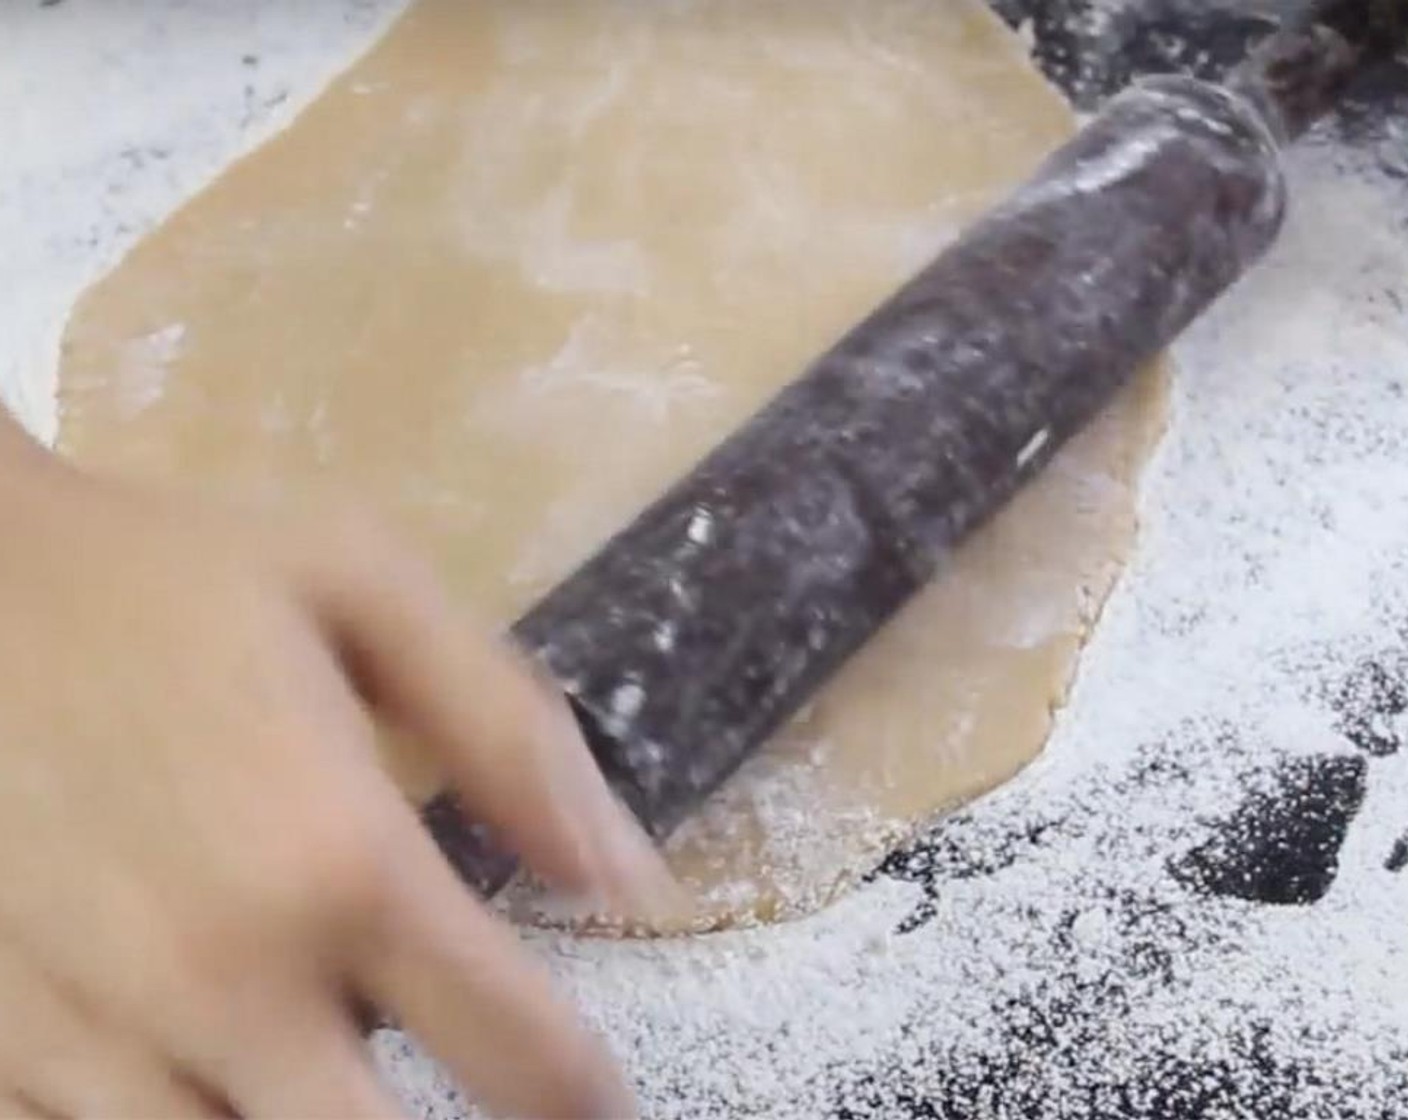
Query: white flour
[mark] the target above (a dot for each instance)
(1054, 960)
(118, 112)
(1078, 976)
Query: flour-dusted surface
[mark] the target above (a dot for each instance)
(1187, 907)
(1190, 907)
(116, 112)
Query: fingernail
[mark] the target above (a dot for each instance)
(568, 908)
(627, 870)
(640, 879)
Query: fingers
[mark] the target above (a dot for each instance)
(511, 747)
(399, 933)
(303, 1059)
(462, 984)
(16, 1106)
(62, 1063)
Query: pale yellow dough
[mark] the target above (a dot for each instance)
(525, 262)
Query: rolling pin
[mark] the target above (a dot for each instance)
(709, 621)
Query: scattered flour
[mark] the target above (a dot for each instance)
(117, 113)
(144, 365)
(1034, 956)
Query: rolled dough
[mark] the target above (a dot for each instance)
(524, 263)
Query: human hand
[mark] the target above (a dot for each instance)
(203, 866)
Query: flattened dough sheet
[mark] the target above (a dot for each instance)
(524, 263)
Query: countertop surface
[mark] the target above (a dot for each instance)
(1196, 903)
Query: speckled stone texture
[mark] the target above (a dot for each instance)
(1093, 48)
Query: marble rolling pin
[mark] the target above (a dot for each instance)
(709, 621)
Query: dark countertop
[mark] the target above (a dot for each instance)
(1092, 48)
